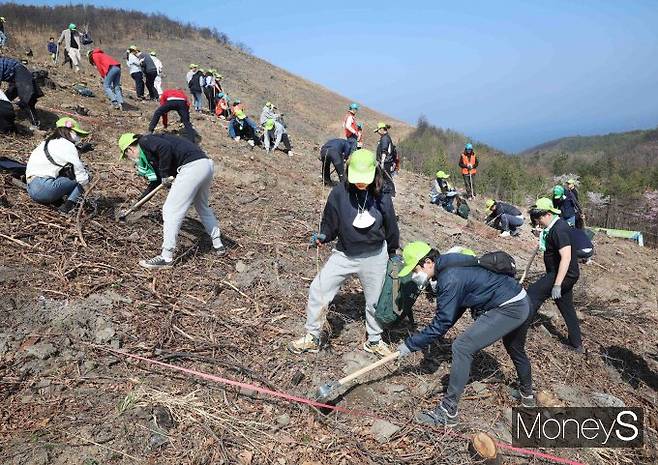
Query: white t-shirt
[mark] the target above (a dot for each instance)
(62, 151)
(3, 96)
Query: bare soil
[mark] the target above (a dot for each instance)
(72, 289)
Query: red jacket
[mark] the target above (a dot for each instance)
(103, 61)
(350, 126)
(175, 94)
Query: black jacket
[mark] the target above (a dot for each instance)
(166, 153)
(195, 84)
(336, 148)
(464, 285)
(340, 211)
(502, 208)
(386, 153)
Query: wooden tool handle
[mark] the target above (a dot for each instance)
(368, 368)
(144, 200)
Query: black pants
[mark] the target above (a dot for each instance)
(540, 291)
(138, 77)
(469, 182)
(26, 89)
(210, 96)
(330, 158)
(150, 79)
(7, 117)
(179, 107)
(498, 323)
(285, 140)
(353, 143)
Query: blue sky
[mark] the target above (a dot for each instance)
(509, 73)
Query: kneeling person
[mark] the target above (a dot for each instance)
(168, 156)
(497, 301)
(274, 134)
(504, 217)
(54, 169)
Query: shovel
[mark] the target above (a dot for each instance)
(139, 203)
(326, 389)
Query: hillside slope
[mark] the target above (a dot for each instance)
(71, 290)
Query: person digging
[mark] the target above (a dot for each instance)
(174, 100)
(562, 270)
(334, 152)
(362, 218)
(498, 303)
(503, 216)
(182, 166)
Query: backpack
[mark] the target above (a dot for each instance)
(397, 297)
(499, 262)
(463, 209)
(86, 39)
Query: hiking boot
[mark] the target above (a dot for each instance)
(156, 263)
(379, 348)
(308, 343)
(251, 142)
(505, 234)
(67, 207)
(221, 250)
(437, 417)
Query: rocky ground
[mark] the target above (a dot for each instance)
(72, 292)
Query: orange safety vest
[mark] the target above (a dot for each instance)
(466, 160)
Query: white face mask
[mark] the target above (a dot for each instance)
(363, 220)
(75, 137)
(434, 285)
(420, 278)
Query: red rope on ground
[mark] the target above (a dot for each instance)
(303, 400)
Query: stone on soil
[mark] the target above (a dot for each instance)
(42, 351)
(383, 430)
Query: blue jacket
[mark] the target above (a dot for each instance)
(8, 68)
(566, 204)
(579, 239)
(464, 285)
(52, 47)
(336, 147)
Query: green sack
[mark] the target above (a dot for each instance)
(398, 295)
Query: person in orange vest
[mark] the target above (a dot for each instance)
(468, 162)
(351, 127)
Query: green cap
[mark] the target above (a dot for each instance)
(558, 192)
(571, 181)
(72, 124)
(240, 114)
(412, 254)
(545, 204)
(2, 18)
(72, 27)
(382, 125)
(442, 175)
(125, 141)
(489, 203)
(268, 124)
(132, 48)
(192, 65)
(153, 53)
(362, 166)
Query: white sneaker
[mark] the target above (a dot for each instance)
(156, 263)
(505, 234)
(236, 138)
(290, 153)
(377, 347)
(308, 343)
(251, 142)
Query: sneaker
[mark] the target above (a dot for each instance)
(67, 207)
(156, 263)
(236, 138)
(308, 343)
(377, 347)
(515, 232)
(290, 153)
(437, 417)
(221, 250)
(505, 234)
(251, 142)
(528, 401)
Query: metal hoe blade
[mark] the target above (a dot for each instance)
(326, 389)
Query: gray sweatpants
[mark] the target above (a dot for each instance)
(371, 271)
(191, 186)
(497, 323)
